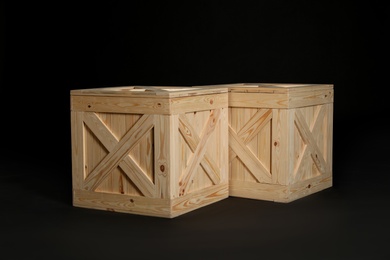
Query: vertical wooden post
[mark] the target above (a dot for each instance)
(78, 148)
(166, 151)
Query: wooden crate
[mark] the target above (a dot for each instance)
(156, 151)
(280, 140)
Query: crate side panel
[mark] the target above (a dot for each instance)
(201, 179)
(306, 151)
(198, 120)
(201, 132)
(238, 119)
(141, 154)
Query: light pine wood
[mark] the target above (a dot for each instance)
(119, 152)
(78, 160)
(199, 199)
(198, 103)
(199, 151)
(130, 168)
(281, 146)
(280, 139)
(148, 91)
(164, 160)
(157, 207)
(139, 205)
(194, 141)
(279, 193)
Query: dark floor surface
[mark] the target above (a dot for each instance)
(347, 221)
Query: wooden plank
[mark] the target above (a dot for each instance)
(198, 103)
(193, 140)
(131, 138)
(307, 137)
(278, 88)
(329, 137)
(78, 148)
(136, 105)
(148, 91)
(248, 158)
(310, 186)
(199, 199)
(223, 142)
(237, 169)
(282, 142)
(165, 169)
(310, 98)
(280, 100)
(130, 168)
(258, 100)
(279, 193)
(200, 151)
(122, 203)
(258, 191)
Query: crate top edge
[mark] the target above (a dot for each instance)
(274, 88)
(149, 91)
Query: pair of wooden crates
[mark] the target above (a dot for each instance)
(165, 151)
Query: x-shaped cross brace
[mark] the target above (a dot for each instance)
(119, 153)
(308, 137)
(238, 144)
(197, 144)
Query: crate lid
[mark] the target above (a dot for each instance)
(281, 88)
(149, 91)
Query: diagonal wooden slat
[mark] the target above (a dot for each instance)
(298, 168)
(315, 129)
(119, 152)
(248, 158)
(200, 150)
(232, 154)
(109, 141)
(255, 124)
(191, 137)
(308, 138)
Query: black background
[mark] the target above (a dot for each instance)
(47, 49)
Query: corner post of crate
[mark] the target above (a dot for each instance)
(166, 149)
(77, 137)
(282, 142)
(329, 139)
(224, 141)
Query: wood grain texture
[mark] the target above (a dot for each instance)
(198, 103)
(122, 203)
(194, 141)
(78, 159)
(135, 105)
(279, 193)
(148, 91)
(280, 100)
(119, 152)
(199, 199)
(200, 150)
(297, 134)
(130, 155)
